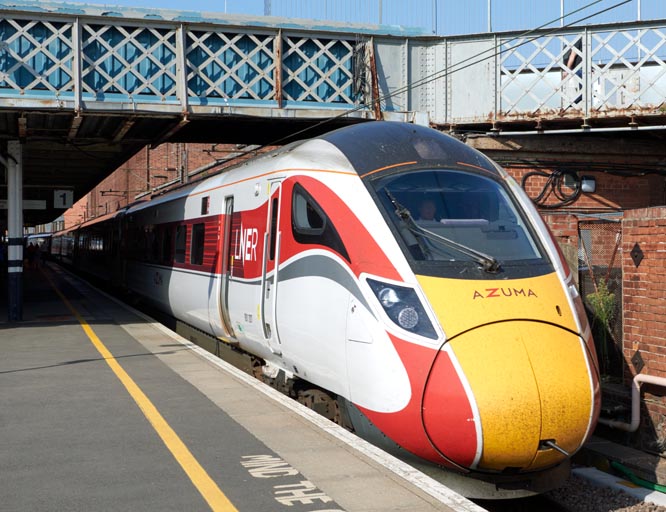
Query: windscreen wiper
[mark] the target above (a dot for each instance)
(487, 262)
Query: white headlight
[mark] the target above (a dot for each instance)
(403, 307)
(408, 318)
(388, 297)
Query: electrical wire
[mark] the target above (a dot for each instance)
(555, 185)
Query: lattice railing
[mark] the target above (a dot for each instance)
(318, 70)
(175, 66)
(534, 76)
(616, 70)
(231, 65)
(628, 68)
(146, 62)
(130, 61)
(36, 56)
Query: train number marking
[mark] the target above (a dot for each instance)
(490, 293)
(246, 244)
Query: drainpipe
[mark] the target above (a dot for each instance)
(635, 403)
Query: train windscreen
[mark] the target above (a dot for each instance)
(448, 220)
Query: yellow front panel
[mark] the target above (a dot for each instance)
(498, 370)
(530, 383)
(461, 304)
(564, 386)
(528, 376)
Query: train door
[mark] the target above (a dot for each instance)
(225, 272)
(270, 267)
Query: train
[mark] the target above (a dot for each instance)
(393, 269)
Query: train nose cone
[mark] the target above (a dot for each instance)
(528, 383)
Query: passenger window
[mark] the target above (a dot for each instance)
(197, 246)
(181, 235)
(311, 225)
(154, 243)
(166, 245)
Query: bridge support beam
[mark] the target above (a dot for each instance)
(582, 150)
(15, 230)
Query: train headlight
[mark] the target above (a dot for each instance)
(408, 318)
(388, 297)
(403, 307)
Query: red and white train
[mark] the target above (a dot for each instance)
(393, 266)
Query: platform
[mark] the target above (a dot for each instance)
(103, 409)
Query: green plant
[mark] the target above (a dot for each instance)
(602, 303)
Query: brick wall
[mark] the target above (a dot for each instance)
(612, 191)
(644, 305)
(149, 170)
(76, 214)
(645, 288)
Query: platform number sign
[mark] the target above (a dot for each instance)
(63, 198)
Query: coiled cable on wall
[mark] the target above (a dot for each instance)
(556, 183)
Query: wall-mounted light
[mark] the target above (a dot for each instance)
(588, 184)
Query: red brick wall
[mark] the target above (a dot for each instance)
(645, 288)
(612, 191)
(76, 214)
(151, 169)
(644, 305)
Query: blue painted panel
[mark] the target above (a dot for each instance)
(239, 66)
(306, 69)
(31, 59)
(128, 60)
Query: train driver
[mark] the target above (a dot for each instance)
(427, 210)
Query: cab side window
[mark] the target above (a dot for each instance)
(311, 225)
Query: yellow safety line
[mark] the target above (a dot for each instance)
(201, 480)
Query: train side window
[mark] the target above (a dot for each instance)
(154, 244)
(273, 235)
(197, 245)
(205, 201)
(307, 218)
(311, 225)
(181, 236)
(166, 245)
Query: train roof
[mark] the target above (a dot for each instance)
(368, 146)
(386, 144)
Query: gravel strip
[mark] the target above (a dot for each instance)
(579, 495)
